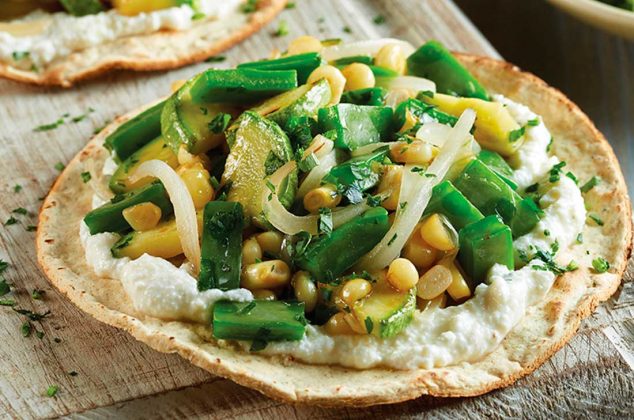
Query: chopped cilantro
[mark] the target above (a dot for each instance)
(98, 130)
(51, 391)
(39, 334)
(73, 373)
(4, 287)
(347, 29)
(17, 188)
(379, 20)
(596, 219)
(580, 238)
(26, 329)
(57, 340)
(198, 15)
(19, 210)
(51, 126)
(374, 200)
(85, 176)
(20, 55)
(555, 172)
(325, 221)
(369, 325)
(31, 228)
(11, 221)
(532, 123)
(392, 239)
(250, 6)
(282, 29)
(271, 188)
(215, 59)
(515, 135)
(3, 266)
(219, 123)
(600, 265)
(60, 166)
(37, 294)
(546, 232)
(290, 5)
(82, 117)
(33, 316)
(593, 182)
(7, 302)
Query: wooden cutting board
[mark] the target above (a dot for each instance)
(117, 376)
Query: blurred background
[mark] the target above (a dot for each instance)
(595, 69)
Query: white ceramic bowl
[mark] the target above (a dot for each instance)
(601, 15)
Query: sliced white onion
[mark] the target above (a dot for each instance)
(314, 177)
(320, 146)
(395, 96)
(290, 224)
(367, 47)
(184, 210)
(416, 191)
(434, 133)
(412, 84)
(369, 148)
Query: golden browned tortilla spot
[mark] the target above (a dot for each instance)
(544, 330)
(157, 51)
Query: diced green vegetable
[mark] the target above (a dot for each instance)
(241, 86)
(308, 104)
(303, 64)
(356, 125)
(369, 96)
(491, 195)
(259, 320)
(360, 173)
(433, 61)
(82, 7)
(497, 164)
(387, 311)
(221, 250)
(482, 245)
(109, 217)
(200, 127)
(135, 133)
(450, 202)
(156, 149)
(330, 256)
(258, 147)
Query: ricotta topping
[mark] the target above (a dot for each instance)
(436, 337)
(64, 34)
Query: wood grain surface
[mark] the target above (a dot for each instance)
(118, 377)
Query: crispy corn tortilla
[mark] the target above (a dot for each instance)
(544, 330)
(157, 51)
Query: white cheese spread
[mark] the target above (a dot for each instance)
(64, 34)
(436, 337)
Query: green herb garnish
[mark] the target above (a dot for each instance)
(593, 182)
(219, 123)
(600, 265)
(282, 29)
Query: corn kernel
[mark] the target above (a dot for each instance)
(266, 275)
(270, 242)
(419, 252)
(335, 79)
(434, 282)
(391, 57)
(438, 302)
(417, 152)
(134, 7)
(264, 294)
(143, 216)
(435, 233)
(197, 180)
(251, 252)
(391, 184)
(305, 290)
(402, 274)
(459, 288)
(352, 291)
(337, 325)
(304, 44)
(358, 76)
(354, 324)
(325, 196)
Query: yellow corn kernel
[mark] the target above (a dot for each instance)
(402, 274)
(391, 57)
(320, 197)
(197, 180)
(337, 325)
(305, 290)
(434, 282)
(304, 44)
(177, 84)
(134, 7)
(270, 242)
(352, 291)
(417, 152)
(437, 302)
(434, 232)
(143, 216)
(358, 76)
(459, 288)
(251, 251)
(354, 324)
(264, 294)
(419, 252)
(335, 79)
(265, 275)
(391, 184)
